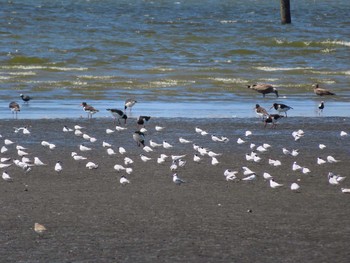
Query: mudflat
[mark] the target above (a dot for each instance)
(91, 217)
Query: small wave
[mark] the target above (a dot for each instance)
(320, 72)
(281, 69)
(169, 83)
(32, 67)
(26, 73)
(230, 80)
(5, 78)
(328, 50)
(292, 43)
(336, 42)
(228, 21)
(95, 77)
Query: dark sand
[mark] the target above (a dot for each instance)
(90, 217)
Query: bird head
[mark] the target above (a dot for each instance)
(276, 92)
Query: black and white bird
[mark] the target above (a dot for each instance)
(15, 108)
(320, 107)
(129, 103)
(118, 115)
(272, 118)
(141, 120)
(281, 108)
(89, 109)
(25, 98)
(139, 138)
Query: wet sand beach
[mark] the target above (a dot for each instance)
(91, 217)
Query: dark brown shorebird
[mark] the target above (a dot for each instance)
(260, 111)
(89, 109)
(272, 118)
(320, 91)
(15, 108)
(264, 89)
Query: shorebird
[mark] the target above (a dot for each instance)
(25, 98)
(89, 109)
(177, 180)
(144, 158)
(123, 180)
(321, 92)
(139, 138)
(281, 108)
(38, 162)
(320, 107)
(295, 187)
(182, 140)
(167, 145)
(230, 175)
(14, 107)
(272, 118)
(91, 165)
(6, 177)
(118, 114)
(58, 167)
(141, 120)
(264, 89)
(267, 176)
(129, 103)
(260, 111)
(274, 184)
(159, 128)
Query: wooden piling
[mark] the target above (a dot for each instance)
(285, 12)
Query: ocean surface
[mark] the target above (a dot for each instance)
(185, 58)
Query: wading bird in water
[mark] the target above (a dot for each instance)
(320, 91)
(263, 89)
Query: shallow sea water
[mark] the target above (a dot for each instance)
(176, 58)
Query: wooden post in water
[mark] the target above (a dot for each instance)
(285, 12)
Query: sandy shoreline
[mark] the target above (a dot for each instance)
(90, 217)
